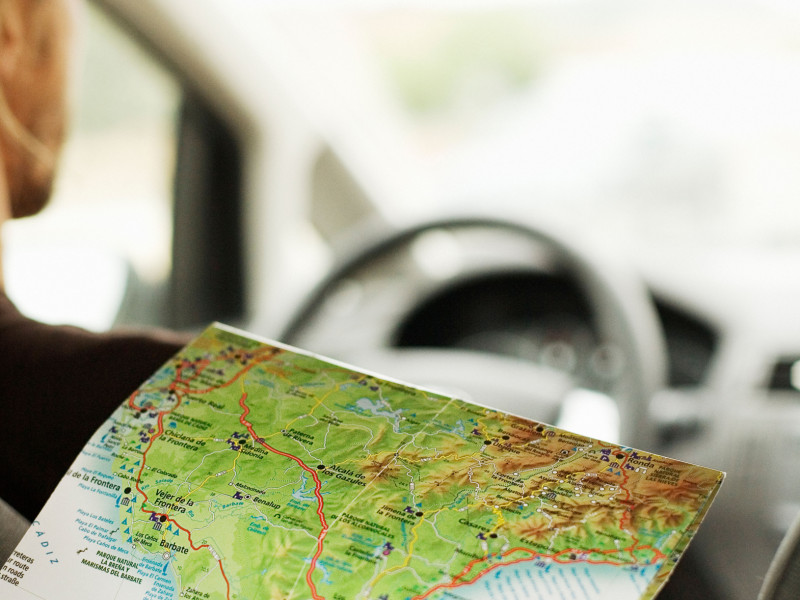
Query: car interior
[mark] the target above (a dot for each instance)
(583, 213)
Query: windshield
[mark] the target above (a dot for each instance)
(650, 124)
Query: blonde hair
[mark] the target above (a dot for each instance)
(16, 132)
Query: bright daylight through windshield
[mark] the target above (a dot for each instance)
(655, 124)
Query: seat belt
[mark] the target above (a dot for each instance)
(12, 527)
(783, 577)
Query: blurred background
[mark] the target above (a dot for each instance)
(669, 130)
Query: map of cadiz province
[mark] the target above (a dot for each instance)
(245, 470)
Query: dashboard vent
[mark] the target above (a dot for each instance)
(785, 375)
(691, 345)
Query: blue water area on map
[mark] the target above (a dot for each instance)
(306, 491)
(553, 581)
(379, 409)
(163, 585)
(154, 569)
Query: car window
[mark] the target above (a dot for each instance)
(107, 233)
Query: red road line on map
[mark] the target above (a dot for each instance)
(160, 431)
(626, 516)
(627, 500)
(230, 381)
(225, 577)
(317, 487)
(199, 366)
(456, 583)
(658, 553)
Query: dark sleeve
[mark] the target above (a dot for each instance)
(57, 385)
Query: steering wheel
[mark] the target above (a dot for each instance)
(353, 313)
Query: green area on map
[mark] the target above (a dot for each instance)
(261, 472)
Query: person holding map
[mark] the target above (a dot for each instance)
(58, 383)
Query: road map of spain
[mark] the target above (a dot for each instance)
(248, 470)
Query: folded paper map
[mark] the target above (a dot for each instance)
(249, 470)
